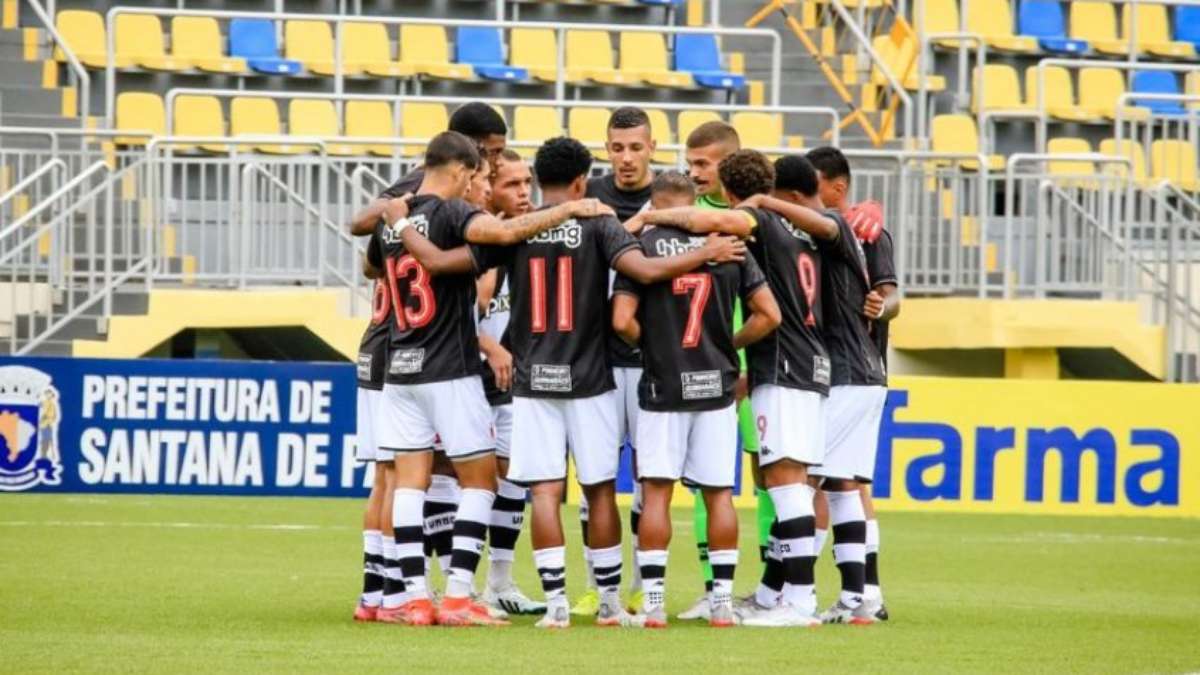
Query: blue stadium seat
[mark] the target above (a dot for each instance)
(1187, 24)
(698, 54)
(254, 40)
(1156, 82)
(660, 3)
(1043, 19)
(483, 48)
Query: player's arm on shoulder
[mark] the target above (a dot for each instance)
(702, 221)
(370, 271)
(883, 302)
(363, 223)
(645, 270)
(488, 229)
(457, 260)
(624, 316)
(485, 289)
(764, 317)
(811, 221)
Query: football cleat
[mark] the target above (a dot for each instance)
(557, 616)
(655, 618)
(463, 612)
(419, 612)
(722, 615)
(494, 611)
(512, 600)
(588, 604)
(872, 608)
(365, 613)
(611, 613)
(780, 616)
(841, 613)
(697, 612)
(635, 601)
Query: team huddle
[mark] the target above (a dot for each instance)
(744, 304)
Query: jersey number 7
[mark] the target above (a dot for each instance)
(418, 289)
(700, 286)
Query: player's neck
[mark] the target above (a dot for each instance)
(812, 203)
(553, 196)
(437, 184)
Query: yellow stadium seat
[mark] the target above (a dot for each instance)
(1099, 91)
(197, 39)
(590, 126)
(139, 111)
(1096, 22)
(366, 48)
(758, 130)
(1001, 90)
(899, 53)
(660, 131)
(311, 43)
(644, 57)
(940, 16)
(1153, 35)
(958, 134)
(311, 117)
(139, 40)
(1191, 86)
(690, 119)
(422, 121)
(1175, 161)
(260, 117)
(83, 31)
(536, 50)
(589, 57)
(1068, 167)
(535, 124)
(1126, 148)
(1059, 96)
(426, 50)
(993, 20)
(199, 116)
(372, 119)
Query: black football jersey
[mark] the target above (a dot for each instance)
(626, 203)
(881, 268)
(372, 349)
(794, 355)
(494, 322)
(844, 287)
(560, 318)
(408, 184)
(690, 363)
(432, 333)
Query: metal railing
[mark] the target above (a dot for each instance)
(78, 72)
(339, 21)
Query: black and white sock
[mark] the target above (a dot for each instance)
(635, 519)
(393, 581)
(796, 525)
(441, 505)
(408, 506)
(551, 566)
(724, 563)
(587, 549)
(470, 533)
(872, 590)
(607, 564)
(508, 516)
(373, 569)
(770, 587)
(654, 578)
(849, 526)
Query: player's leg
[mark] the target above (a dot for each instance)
(764, 508)
(627, 411)
(874, 401)
(699, 609)
(711, 465)
(588, 603)
(821, 510)
(872, 590)
(592, 433)
(539, 460)
(464, 423)
(662, 437)
(441, 503)
(374, 568)
(394, 595)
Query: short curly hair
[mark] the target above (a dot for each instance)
(746, 173)
(561, 160)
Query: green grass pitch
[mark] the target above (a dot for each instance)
(194, 584)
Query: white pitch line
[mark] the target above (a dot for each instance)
(1078, 538)
(286, 527)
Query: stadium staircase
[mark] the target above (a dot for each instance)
(1032, 241)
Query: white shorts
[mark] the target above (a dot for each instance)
(852, 417)
(502, 417)
(414, 416)
(698, 447)
(367, 449)
(790, 423)
(544, 428)
(627, 403)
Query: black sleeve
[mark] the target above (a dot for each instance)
(846, 242)
(375, 251)
(487, 257)
(758, 239)
(752, 277)
(408, 183)
(624, 284)
(460, 214)
(881, 265)
(614, 239)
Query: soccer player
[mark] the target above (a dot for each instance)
(512, 184)
(881, 306)
(432, 387)
(626, 190)
(687, 427)
(563, 389)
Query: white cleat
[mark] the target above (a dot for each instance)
(873, 609)
(780, 616)
(510, 599)
(841, 613)
(557, 616)
(494, 611)
(612, 614)
(701, 611)
(655, 618)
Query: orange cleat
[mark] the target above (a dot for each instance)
(463, 612)
(412, 613)
(365, 613)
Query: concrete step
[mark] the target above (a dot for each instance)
(12, 44)
(19, 72)
(21, 119)
(30, 101)
(53, 348)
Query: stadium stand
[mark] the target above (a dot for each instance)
(1096, 23)
(1058, 94)
(698, 54)
(140, 112)
(993, 20)
(311, 44)
(1043, 20)
(1156, 82)
(1152, 35)
(85, 32)
(483, 50)
(535, 50)
(371, 119)
(254, 40)
(139, 41)
(197, 40)
(425, 49)
(1175, 161)
(589, 125)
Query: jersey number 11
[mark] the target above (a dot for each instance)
(564, 310)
